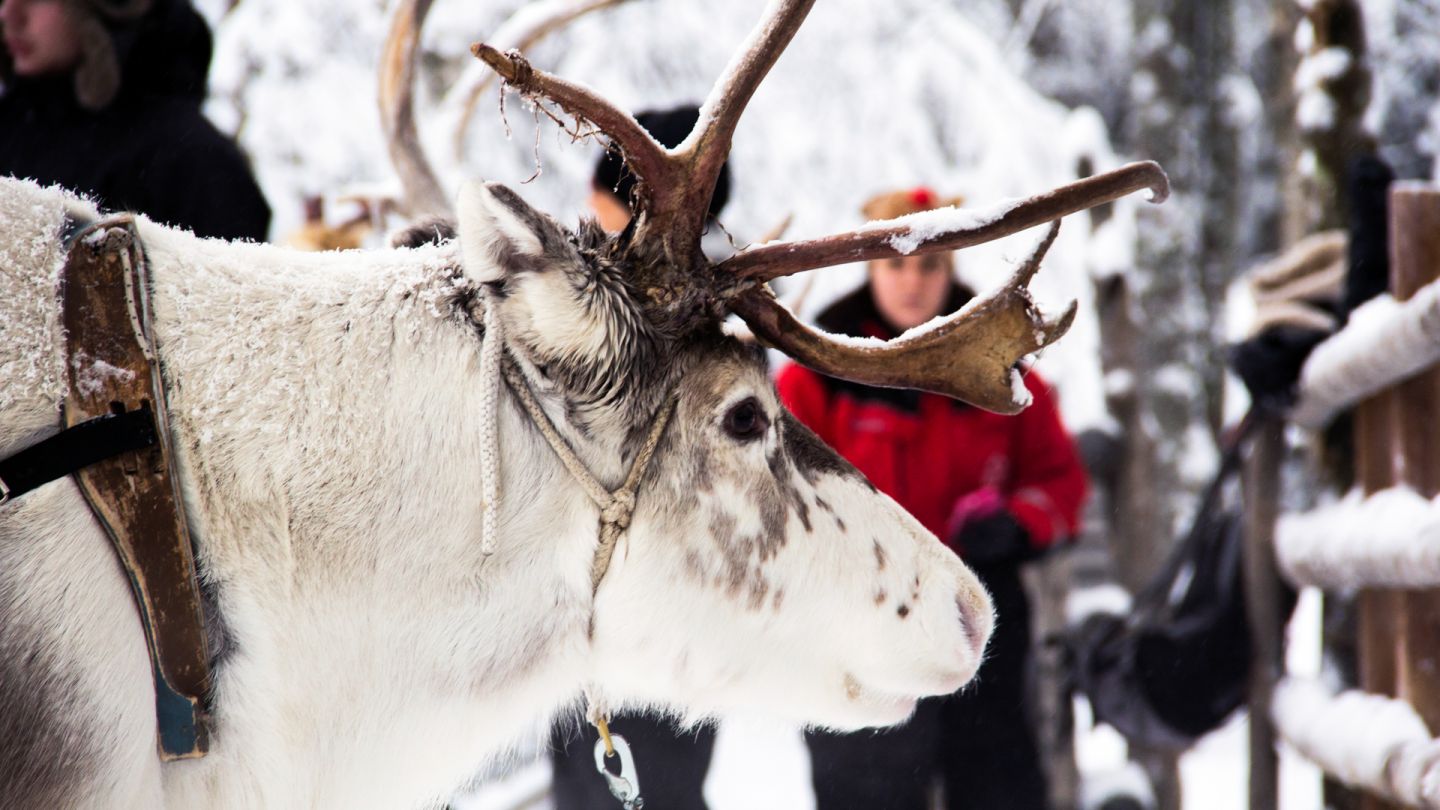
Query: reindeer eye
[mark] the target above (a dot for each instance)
(746, 421)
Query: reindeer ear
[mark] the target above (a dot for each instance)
(500, 234)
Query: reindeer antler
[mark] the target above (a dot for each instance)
(946, 228)
(527, 26)
(969, 355)
(422, 190)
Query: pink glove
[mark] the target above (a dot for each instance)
(977, 505)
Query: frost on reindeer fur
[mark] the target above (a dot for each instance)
(30, 262)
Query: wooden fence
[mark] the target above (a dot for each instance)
(1381, 542)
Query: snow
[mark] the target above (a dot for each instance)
(1365, 740)
(1388, 539)
(1384, 342)
(1315, 107)
(93, 375)
(927, 226)
(1404, 63)
(1083, 603)
(1326, 64)
(1019, 394)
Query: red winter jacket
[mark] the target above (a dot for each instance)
(927, 451)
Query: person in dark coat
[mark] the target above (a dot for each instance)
(672, 764)
(103, 97)
(999, 490)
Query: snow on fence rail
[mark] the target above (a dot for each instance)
(1384, 342)
(1390, 539)
(1364, 740)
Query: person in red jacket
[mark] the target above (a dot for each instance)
(999, 490)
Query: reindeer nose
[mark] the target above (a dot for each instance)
(976, 618)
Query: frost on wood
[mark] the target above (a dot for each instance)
(1390, 539)
(93, 375)
(1364, 740)
(1384, 342)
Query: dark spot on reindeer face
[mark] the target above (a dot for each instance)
(811, 456)
(722, 526)
(693, 565)
(902, 611)
(701, 478)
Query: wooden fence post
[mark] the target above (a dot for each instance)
(1414, 263)
(1398, 442)
(1262, 605)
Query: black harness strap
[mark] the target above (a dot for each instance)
(75, 448)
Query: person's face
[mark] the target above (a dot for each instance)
(910, 290)
(40, 36)
(612, 214)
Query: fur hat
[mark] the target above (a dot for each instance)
(97, 76)
(1302, 287)
(893, 204)
(669, 127)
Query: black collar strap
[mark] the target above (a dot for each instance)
(75, 448)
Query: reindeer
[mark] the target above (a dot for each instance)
(379, 628)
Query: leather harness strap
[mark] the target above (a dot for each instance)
(114, 378)
(69, 450)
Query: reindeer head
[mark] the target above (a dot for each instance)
(760, 567)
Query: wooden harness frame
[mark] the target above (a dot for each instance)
(112, 369)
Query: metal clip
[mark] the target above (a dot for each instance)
(625, 786)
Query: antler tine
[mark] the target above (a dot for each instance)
(644, 155)
(527, 26)
(423, 193)
(707, 147)
(969, 355)
(929, 232)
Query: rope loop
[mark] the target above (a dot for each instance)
(619, 510)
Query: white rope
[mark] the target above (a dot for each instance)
(490, 353)
(615, 507)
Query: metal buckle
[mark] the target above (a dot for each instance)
(625, 786)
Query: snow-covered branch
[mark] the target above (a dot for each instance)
(1385, 342)
(1364, 740)
(1390, 539)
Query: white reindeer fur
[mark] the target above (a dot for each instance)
(325, 411)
